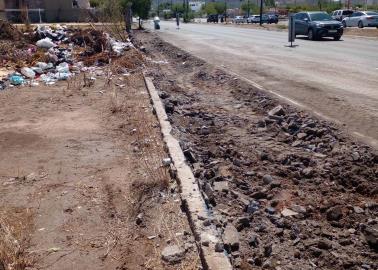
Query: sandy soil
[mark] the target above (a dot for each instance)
(81, 180)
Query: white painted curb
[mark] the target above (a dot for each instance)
(206, 236)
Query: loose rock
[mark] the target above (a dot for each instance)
(173, 254)
(278, 111)
(231, 238)
(334, 213)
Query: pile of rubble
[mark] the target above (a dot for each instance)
(58, 53)
(285, 190)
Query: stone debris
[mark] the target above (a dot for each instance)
(231, 238)
(277, 111)
(288, 213)
(299, 191)
(173, 254)
(371, 236)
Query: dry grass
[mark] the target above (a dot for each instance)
(132, 61)
(15, 225)
(130, 98)
(112, 20)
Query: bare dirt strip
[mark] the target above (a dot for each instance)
(82, 183)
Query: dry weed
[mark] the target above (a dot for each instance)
(15, 225)
(130, 98)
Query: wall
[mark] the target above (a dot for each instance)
(62, 11)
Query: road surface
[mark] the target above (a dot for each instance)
(337, 80)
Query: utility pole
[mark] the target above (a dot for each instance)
(261, 11)
(225, 11)
(248, 9)
(128, 17)
(158, 8)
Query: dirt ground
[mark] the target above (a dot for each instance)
(82, 181)
(301, 193)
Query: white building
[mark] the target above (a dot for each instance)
(196, 6)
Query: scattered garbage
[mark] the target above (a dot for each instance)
(59, 54)
(167, 161)
(43, 65)
(45, 43)
(28, 72)
(62, 76)
(16, 80)
(63, 68)
(2, 85)
(119, 47)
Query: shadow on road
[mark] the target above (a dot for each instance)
(320, 39)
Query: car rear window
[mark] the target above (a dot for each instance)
(320, 17)
(347, 12)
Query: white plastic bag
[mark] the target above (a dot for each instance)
(45, 43)
(28, 72)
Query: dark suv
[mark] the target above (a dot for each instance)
(316, 25)
(213, 18)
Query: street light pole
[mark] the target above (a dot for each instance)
(261, 11)
(225, 11)
(249, 9)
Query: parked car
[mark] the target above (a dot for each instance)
(213, 18)
(239, 19)
(316, 25)
(340, 14)
(272, 18)
(362, 19)
(256, 19)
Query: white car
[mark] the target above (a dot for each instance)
(339, 15)
(253, 19)
(362, 19)
(238, 19)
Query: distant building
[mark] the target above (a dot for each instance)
(45, 10)
(196, 5)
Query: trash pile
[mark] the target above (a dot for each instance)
(58, 53)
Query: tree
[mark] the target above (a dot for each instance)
(270, 3)
(209, 8)
(214, 8)
(139, 7)
(220, 7)
(177, 8)
(249, 7)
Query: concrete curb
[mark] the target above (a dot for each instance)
(206, 236)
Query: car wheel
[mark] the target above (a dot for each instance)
(360, 24)
(311, 34)
(344, 24)
(337, 38)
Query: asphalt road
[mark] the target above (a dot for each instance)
(337, 80)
